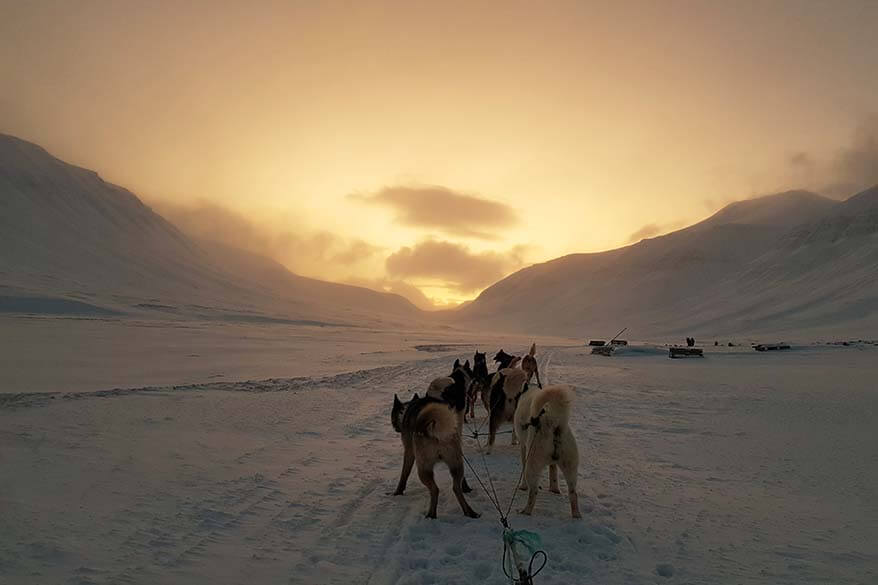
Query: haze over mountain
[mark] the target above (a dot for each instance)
(789, 263)
(73, 243)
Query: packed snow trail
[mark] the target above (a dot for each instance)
(737, 469)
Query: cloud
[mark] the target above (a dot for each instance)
(440, 208)
(318, 254)
(454, 264)
(651, 230)
(647, 231)
(849, 170)
(856, 166)
(400, 287)
(801, 160)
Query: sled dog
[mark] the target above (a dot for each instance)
(529, 365)
(480, 385)
(507, 386)
(541, 422)
(430, 433)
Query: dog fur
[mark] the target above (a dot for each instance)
(480, 385)
(541, 422)
(452, 390)
(504, 360)
(506, 387)
(529, 365)
(430, 433)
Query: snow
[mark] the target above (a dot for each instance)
(738, 468)
(791, 264)
(73, 354)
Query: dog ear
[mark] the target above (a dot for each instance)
(415, 397)
(456, 364)
(466, 365)
(396, 401)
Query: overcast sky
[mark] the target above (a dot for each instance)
(444, 144)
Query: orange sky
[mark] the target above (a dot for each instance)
(442, 145)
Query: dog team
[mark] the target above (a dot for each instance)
(431, 426)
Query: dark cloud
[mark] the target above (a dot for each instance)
(454, 264)
(647, 231)
(856, 166)
(441, 208)
(850, 170)
(801, 160)
(309, 253)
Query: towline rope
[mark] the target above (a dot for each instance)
(513, 540)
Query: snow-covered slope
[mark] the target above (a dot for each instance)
(791, 262)
(71, 242)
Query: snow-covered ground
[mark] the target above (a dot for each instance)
(73, 354)
(737, 468)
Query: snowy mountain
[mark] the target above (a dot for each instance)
(73, 243)
(785, 263)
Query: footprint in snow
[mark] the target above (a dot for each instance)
(664, 570)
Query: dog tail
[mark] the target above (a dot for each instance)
(533, 350)
(437, 387)
(552, 405)
(437, 422)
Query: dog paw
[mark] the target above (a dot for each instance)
(466, 489)
(525, 512)
(555, 490)
(473, 514)
(576, 515)
(523, 487)
(396, 493)
(430, 516)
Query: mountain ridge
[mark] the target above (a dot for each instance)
(65, 233)
(722, 275)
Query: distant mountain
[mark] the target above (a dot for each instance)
(73, 243)
(788, 263)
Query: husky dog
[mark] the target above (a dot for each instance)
(541, 422)
(479, 385)
(451, 390)
(504, 360)
(430, 433)
(507, 386)
(529, 365)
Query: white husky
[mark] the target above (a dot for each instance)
(541, 423)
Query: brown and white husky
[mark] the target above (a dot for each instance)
(430, 433)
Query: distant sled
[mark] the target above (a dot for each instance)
(604, 350)
(597, 343)
(681, 352)
(771, 346)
